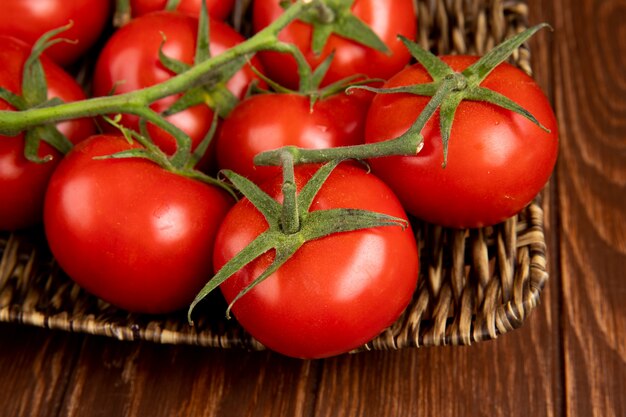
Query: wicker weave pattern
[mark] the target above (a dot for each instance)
(474, 284)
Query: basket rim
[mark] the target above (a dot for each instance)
(481, 284)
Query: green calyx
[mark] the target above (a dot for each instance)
(210, 89)
(174, 164)
(335, 16)
(466, 85)
(35, 95)
(311, 79)
(290, 225)
(172, 4)
(447, 90)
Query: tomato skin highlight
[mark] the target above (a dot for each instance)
(128, 231)
(269, 121)
(23, 183)
(498, 161)
(387, 18)
(29, 19)
(336, 293)
(129, 61)
(218, 9)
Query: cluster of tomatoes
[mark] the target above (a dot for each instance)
(147, 239)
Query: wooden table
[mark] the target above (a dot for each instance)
(569, 359)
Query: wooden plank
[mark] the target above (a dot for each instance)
(35, 366)
(512, 376)
(144, 379)
(519, 374)
(590, 85)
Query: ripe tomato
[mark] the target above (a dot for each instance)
(130, 61)
(29, 19)
(219, 9)
(269, 121)
(128, 231)
(498, 161)
(387, 18)
(23, 183)
(336, 293)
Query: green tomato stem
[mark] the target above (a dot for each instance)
(183, 142)
(290, 216)
(135, 102)
(172, 5)
(122, 13)
(409, 143)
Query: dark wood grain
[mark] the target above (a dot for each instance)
(144, 379)
(511, 376)
(35, 368)
(590, 99)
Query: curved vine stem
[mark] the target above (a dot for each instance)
(135, 102)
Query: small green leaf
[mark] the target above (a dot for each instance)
(428, 90)
(13, 99)
(344, 84)
(321, 33)
(172, 5)
(213, 92)
(144, 134)
(172, 64)
(32, 139)
(435, 67)
(203, 40)
(54, 101)
(444, 88)
(34, 85)
(271, 83)
(221, 100)
(49, 134)
(225, 72)
(478, 71)
(53, 137)
(263, 243)
(447, 111)
(129, 154)
(351, 27)
(269, 208)
(190, 98)
(282, 256)
(318, 74)
(126, 132)
(203, 146)
(313, 186)
(493, 97)
(322, 223)
(122, 13)
(337, 17)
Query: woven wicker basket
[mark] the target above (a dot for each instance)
(474, 284)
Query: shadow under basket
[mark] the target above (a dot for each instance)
(474, 284)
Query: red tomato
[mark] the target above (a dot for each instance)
(336, 293)
(269, 121)
(130, 61)
(387, 18)
(219, 9)
(23, 183)
(130, 232)
(29, 19)
(498, 161)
